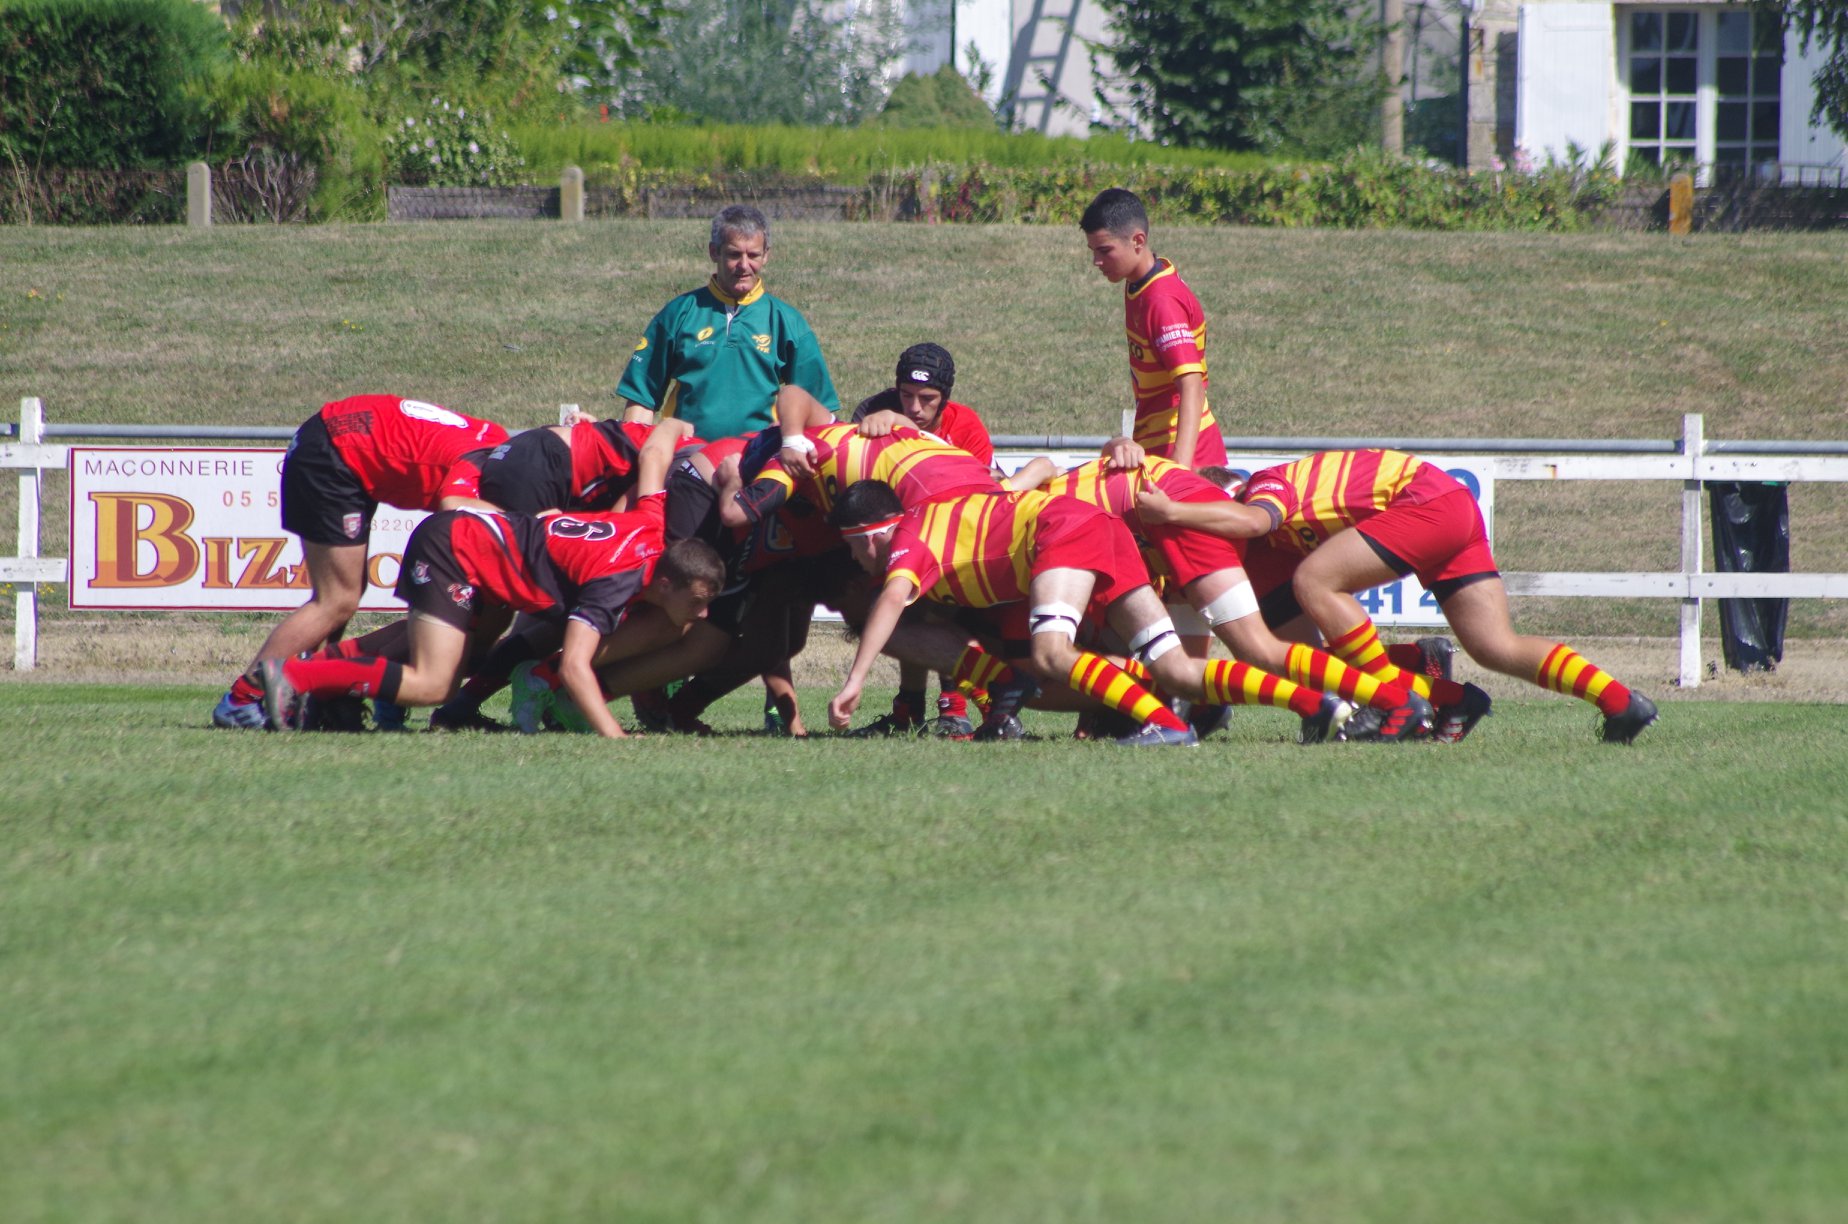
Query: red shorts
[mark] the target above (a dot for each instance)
(1438, 540)
(1076, 535)
(1187, 554)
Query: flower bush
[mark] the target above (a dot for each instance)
(449, 145)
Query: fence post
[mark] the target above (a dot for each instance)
(1681, 204)
(571, 194)
(198, 195)
(1693, 444)
(25, 601)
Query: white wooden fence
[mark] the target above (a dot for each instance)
(1690, 460)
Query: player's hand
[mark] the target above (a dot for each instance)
(1155, 506)
(796, 462)
(1121, 452)
(572, 414)
(840, 710)
(881, 423)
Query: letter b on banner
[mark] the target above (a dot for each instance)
(119, 537)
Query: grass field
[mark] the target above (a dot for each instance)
(506, 978)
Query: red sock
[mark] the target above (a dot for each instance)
(362, 677)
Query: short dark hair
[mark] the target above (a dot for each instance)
(863, 502)
(1115, 210)
(688, 561)
(740, 219)
(926, 365)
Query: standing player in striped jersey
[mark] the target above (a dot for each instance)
(465, 572)
(1345, 521)
(1167, 334)
(1207, 571)
(342, 462)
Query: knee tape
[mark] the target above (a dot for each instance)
(1187, 622)
(1054, 618)
(1236, 604)
(1155, 641)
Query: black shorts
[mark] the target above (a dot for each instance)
(322, 500)
(430, 578)
(528, 473)
(693, 509)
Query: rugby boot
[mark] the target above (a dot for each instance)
(1004, 702)
(952, 721)
(1402, 722)
(238, 715)
(1153, 735)
(1458, 719)
(651, 712)
(532, 699)
(282, 708)
(903, 720)
(1625, 727)
(1437, 652)
(389, 715)
(1326, 723)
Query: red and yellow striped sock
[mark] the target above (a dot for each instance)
(1361, 647)
(1096, 676)
(1233, 683)
(979, 670)
(1567, 671)
(1317, 669)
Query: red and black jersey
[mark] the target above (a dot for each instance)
(603, 458)
(591, 565)
(402, 450)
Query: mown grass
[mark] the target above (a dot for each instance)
(507, 978)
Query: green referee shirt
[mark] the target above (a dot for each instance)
(716, 362)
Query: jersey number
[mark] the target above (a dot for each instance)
(421, 411)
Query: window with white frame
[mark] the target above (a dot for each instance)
(1703, 85)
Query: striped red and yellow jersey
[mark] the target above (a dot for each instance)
(918, 467)
(1314, 498)
(1114, 489)
(1167, 338)
(974, 551)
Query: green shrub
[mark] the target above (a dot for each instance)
(271, 113)
(106, 84)
(942, 99)
(839, 154)
(451, 145)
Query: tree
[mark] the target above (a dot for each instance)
(1822, 23)
(944, 99)
(1247, 74)
(767, 61)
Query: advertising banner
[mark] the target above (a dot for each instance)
(167, 527)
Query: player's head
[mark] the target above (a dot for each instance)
(686, 579)
(925, 374)
(1225, 478)
(739, 247)
(866, 514)
(1116, 228)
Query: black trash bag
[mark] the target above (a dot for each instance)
(1751, 535)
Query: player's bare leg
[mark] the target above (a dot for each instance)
(338, 574)
(1057, 598)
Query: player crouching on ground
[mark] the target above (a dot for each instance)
(1053, 560)
(610, 575)
(342, 463)
(1346, 521)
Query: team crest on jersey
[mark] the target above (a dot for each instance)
(762, 343)
(1136, 352)
(352, 525)
(462, 595)
(420, 573)
(704, 334)
(641, 344)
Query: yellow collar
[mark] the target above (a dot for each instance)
(756, 292)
